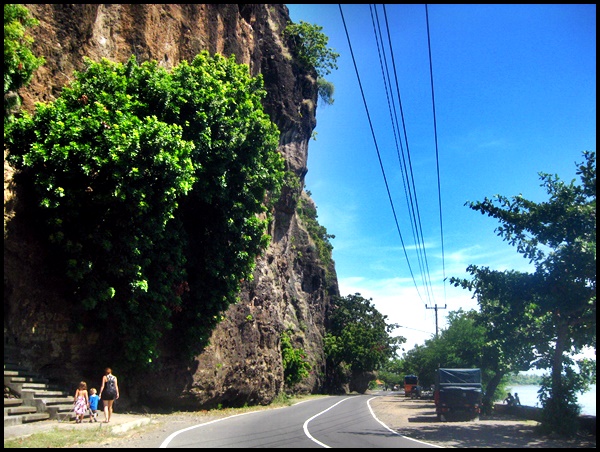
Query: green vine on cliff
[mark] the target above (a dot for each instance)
(150, 185)
(19, 61)
(307, 211)
(310, 45)
(296, 366)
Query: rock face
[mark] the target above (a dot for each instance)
(291, 289)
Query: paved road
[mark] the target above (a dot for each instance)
(338, 421)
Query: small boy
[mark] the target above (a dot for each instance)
(94, 399)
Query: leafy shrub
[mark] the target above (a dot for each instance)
(310, 44)
(19, 61)
(296, 367)
(150, 187)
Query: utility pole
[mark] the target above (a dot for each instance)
(436, 317)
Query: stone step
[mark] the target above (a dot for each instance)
(48, 396)
(19, 410)
(12, 402)
(14, 366)
(39, 400)
(35, 417)
(61, 407)
(24, 379)
(25, 418)
(45, 393)
(19, 373)
(40, 386)
(61, 412)
(57, 400)
(65, 416)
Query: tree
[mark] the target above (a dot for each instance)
(19, 61)
(459, 345)
(310, 45)
(509, 312)
(467, 342)
(358, 336)
(150, 186)
(559, 238)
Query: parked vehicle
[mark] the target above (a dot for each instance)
(410, 383)
(457, 394)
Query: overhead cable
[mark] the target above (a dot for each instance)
(419, 247)
(377, 149)
(437, 159)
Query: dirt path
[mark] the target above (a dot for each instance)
(416, 419)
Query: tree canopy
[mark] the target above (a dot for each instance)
(310, 44)
(150, 187)
(554, 308)
(359, 335)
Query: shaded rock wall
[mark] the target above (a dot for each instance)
(243, 362)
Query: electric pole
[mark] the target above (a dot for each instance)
(436, 317)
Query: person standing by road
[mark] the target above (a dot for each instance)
(109, 392)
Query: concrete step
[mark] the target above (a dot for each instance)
(61, 411)
(25, 418)
(24, 380)
(19, 410)
(46, 393)
(14, 366)
(19, 373)
(39, 386)
(57, 400)
(39, 399)
(65, 416)
(46, 396)
(12, 402)
(35, 417)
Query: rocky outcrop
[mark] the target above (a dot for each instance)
(242, 364)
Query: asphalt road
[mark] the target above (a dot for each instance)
(339, 421)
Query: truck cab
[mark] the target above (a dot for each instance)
(457, 394)
(411, 385)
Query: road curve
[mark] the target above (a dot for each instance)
(335, 421)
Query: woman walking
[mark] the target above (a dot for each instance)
(109, 392)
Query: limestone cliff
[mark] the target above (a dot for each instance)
(290, 289)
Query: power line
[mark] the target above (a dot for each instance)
(437, 159)
(416, 215)
(406, 168)
(392, 106)
(377, 149)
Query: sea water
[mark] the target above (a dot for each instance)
(528, 395)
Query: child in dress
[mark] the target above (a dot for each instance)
(81, 402)
(94, 399)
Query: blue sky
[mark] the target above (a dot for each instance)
(515, 95)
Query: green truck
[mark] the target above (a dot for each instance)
(457, 394)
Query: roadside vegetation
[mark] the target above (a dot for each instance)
(310, 46)
(20, 63)
(540, 320)
(149, 187)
